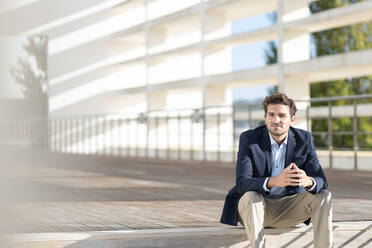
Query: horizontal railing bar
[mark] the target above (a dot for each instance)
(341, 133)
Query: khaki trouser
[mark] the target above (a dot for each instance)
(257, 212)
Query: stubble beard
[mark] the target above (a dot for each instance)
(278, 133)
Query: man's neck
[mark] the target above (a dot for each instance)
(279, 139)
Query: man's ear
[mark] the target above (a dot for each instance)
(293, 118)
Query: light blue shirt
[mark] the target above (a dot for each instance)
(278, 160)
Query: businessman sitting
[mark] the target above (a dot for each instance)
(279, 181)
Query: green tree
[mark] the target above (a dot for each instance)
(334, 41)
(339, 40)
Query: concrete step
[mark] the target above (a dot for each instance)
(347, 234)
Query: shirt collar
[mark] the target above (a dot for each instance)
(273, 142)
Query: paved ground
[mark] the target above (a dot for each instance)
(59, 193)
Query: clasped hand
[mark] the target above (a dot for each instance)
(290, 176)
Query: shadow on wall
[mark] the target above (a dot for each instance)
(30, 75)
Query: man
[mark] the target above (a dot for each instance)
(279, 181)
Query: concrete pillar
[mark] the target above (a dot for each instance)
(295, 48)
(216, 24)
(157, 100)
(187, 133)
(296, 45)
(217, 95)
(298, 88)
(174, 135)
(218, 123)
(128, 137)
(217, 59)
(156, 37)
(188, 98)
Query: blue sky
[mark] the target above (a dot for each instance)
(249, 56)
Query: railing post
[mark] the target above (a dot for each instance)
(64, 134)
(48, 135)
(167, 136)
(205, 121)
(67, 134)
(120, 136)
(112, 122)
(59, 132)
(147, 135)
(98, 133)
(250, 120)
(81, 134)
(233, 134)
(191, 136)
(330, 134)
(91, 134)
(51, 135)
(355, 135)
(127, 121)
(308, 121)
(179, 135)
(137, 145)
(157, 136)
(218, 134)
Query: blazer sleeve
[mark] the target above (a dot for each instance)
(313, 168)
(244, 169)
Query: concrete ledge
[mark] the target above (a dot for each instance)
(222, 236)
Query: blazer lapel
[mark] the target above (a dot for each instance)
(291, 144)
(267, 148)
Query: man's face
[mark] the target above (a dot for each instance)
(278, 119)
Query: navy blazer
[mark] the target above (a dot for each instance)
(254, 163)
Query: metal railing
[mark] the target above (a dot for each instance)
(355, 132)
(208, 134)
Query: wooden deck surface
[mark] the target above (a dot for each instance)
(69, 193)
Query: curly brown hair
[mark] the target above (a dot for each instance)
(280, 98)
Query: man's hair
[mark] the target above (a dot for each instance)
(280, 98)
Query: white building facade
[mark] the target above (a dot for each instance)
(134, 57)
